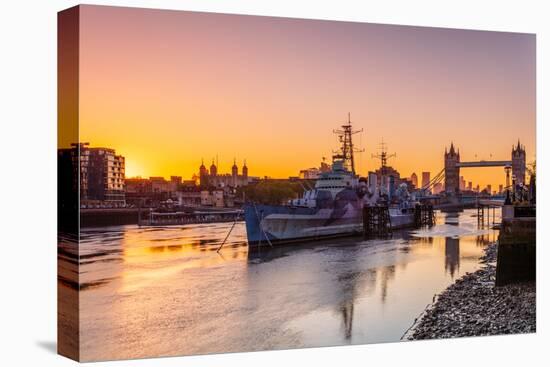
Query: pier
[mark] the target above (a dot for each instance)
(376, 221)
(180, 218)
(153, 217)
(424, 215)
(108, 217)
(486, 211)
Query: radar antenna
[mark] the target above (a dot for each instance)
(383, 156)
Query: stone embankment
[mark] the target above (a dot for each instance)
(473, 306)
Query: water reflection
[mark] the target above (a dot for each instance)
(166, 291)
(388, 273)
(452, 246)
(347, 313)
(452, 255)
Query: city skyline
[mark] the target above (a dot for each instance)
(465, 185)
(203, 158)
(167, 88)
(227, 168)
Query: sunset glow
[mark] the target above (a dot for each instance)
(167, 88)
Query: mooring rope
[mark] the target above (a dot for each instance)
(260, 226)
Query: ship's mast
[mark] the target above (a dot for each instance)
(383, 156)
(346, 151)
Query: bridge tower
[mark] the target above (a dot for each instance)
(452, 171)
(518, 163)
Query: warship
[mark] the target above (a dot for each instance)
(333, 207)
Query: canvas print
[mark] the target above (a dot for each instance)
(233, 183)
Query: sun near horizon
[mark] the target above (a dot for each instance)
(167, 89)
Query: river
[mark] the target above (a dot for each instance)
(166, 291)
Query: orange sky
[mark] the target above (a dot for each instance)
(166, 88)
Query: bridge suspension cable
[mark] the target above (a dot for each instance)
(435, 180)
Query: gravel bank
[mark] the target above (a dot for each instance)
(473, 306)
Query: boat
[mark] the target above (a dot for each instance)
(333, 208)
(173, 217)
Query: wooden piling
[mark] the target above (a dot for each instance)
(424, 215)
(376, 221)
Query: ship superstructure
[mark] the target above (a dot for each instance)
(332, 208)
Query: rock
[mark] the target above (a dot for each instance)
(473, 306)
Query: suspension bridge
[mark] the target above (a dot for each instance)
(450, 176)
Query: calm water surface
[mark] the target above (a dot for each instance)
(165, 291)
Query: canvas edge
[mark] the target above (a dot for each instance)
(68, 301)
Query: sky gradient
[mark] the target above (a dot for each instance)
(167, 88)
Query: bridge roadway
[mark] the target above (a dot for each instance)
(465, 201)
(484, 164)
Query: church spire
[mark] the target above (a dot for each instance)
(234, 169)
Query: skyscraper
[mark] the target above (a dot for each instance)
(414, 180)
(462, 183)
(425, 179)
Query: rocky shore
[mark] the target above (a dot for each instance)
(473, 306)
